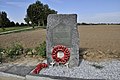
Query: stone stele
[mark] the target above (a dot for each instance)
(62, 30)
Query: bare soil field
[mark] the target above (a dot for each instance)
(28, 39)
(99, 42)
(102, 37)
(94, 40)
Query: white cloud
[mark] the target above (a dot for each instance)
(16, 4)
(113, 17)
(13, 3)
(56, 1)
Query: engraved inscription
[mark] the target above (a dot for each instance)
(61, 35)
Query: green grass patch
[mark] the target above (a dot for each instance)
(13, 28)
(19, 30)
(41, 49)
(1, 53)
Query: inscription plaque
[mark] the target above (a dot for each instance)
(61, 35)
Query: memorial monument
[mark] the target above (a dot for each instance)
(62, 40)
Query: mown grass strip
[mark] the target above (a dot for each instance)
(19, 30)
(13, 28)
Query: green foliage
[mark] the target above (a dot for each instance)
(1, 50)
(41, 49)
(37, 13)
(27, 20)
(12, 24)
(14, 50)
(3, 29)
(17, 29)
(4, 21)
(17, 24)
(28, 50)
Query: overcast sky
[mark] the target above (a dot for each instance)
(90, 11)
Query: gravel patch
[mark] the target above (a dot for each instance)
(87, 70)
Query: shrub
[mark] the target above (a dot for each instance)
(14, 50)
(41, 49)
(1, 51)
(28, 50)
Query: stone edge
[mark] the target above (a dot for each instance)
(48, 77)
(3, 74)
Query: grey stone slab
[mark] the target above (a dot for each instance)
(5, 67)
(62, 30)
(20, 70)
(7, 76)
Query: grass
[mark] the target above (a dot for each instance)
(13, 28)
(41, 49)
(16, 29)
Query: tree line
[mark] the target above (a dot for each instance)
(83, 23)
(5, 22)
(36, 16)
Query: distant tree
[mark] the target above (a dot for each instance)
(34, 12)
(22, 24)
(12, 24)
(46, 12)
(4, 21)
(78, 24)
(84, 23)
(0, 20)
(37, 13)
(27, 20)
(17, 24)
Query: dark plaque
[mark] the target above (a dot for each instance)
(61, 35)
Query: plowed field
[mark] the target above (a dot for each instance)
(93, 38)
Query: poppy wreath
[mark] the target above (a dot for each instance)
(63, 49)
(39, 67)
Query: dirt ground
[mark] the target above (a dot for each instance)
(99, 42)
(28, 39)
(96, 41)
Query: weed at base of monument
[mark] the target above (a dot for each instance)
(1, 53)
(10, 53)
(14, 50)
(41, 49)
(28, 51)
